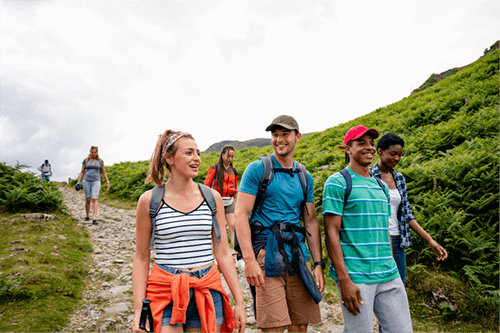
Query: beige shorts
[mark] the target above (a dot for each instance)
(285, 301)
(230, 209)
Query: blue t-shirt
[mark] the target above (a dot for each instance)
(283, 196)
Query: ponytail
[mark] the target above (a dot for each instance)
(158, 167)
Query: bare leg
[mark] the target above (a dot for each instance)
(94, 208)
(230, 224)
(171, 329)
(297, 328)
(273, 329)
(87, 206)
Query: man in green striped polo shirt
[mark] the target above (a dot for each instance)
(359, 245)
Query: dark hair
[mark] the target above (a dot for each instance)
(346, 157)
(219, 176)
(390, 139)
(156, 172)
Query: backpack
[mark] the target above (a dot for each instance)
(154, 206)
(255, 227)
(267, 178)
(348, 184)
(216, 166)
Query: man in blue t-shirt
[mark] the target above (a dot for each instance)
(272, 241)
(359, 245)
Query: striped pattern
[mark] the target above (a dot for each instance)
(184, 240)
(364, 234)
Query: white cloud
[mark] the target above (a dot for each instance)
(117, 74)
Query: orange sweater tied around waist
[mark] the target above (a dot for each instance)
(163, 287)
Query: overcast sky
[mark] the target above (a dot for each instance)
(116, 74)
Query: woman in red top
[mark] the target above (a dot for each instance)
(223, 177)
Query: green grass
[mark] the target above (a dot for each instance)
(42, 285)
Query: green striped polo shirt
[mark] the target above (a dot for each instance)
(364, 233)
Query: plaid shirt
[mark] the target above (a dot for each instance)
(405, 214)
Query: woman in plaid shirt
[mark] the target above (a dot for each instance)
(390, 148)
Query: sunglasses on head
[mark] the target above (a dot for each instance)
(93, 147)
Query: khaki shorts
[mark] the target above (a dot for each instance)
(285, 301)
(230, 209)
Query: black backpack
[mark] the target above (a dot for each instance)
(154, 206)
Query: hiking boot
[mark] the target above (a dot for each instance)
(87, 219)
(94, 222)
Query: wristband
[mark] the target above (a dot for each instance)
(322, 263)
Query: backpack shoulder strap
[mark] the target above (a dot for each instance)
(381, 185)
(154, 205)
(210, 199)
(348, 184)
(266, 179)
(303, 182)
(235, 171)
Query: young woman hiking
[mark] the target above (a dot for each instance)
(184, 285)
(224, 178)
(92, 168)
(390, 148)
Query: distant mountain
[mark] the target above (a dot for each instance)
(242, 144)
(435, 78)
(239, 144)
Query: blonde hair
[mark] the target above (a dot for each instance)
(90, 153)
(157, 168)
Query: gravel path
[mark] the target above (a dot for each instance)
(107, 302)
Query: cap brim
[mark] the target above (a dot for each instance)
(270, 127)
(371, 131)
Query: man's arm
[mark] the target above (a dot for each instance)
(243, 209)
(313, 236)
(350, 292)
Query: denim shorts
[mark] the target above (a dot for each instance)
(192, 316)
(91, 189)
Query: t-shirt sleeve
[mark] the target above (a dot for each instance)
(310, 188)
(251, 178)
(333, 195)
(83, 162)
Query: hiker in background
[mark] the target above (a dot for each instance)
(46, 171)
(356, 210)
(184, 287)
(271, 239)
(390, 148)
(223, 177)
(92, 168)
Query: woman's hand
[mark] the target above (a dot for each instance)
(135, 323)
(240, 318)
(439, 250)
(107, 186)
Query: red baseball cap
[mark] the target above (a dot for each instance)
(358, 131)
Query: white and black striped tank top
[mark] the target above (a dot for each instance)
(184, 240)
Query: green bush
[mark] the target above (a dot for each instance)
(23, 191)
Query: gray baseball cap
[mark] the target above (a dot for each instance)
(284, 121)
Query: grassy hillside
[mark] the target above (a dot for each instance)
(451, 163)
